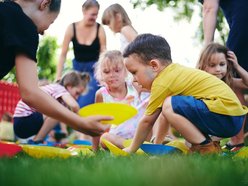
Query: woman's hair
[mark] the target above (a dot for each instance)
(89, 4)
(148, 47)
(108, 58)
(54, 5)
(111, 12)
(205, 59)
(74, 79)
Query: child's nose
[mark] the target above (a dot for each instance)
(217, 68)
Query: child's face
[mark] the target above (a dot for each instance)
(113, 75)
(75, 91)
(217, 65)
(142, 74)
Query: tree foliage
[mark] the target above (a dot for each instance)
(46, 57)
(184, 10)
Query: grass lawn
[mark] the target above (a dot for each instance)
(105, 169)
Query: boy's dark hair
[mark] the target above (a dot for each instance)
(148, 47)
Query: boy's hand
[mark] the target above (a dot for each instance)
(93, 125)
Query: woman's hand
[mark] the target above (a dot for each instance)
(93, 126)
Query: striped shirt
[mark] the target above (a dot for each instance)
(54, 90)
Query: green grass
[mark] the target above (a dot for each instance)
(107, 170)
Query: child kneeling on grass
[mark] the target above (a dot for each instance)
(193, 102)
(116, 87)
(29, 122)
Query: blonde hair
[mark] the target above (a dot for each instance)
(112, 58)
(111, 12)
(206, 56)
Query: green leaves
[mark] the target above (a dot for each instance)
(184, 10)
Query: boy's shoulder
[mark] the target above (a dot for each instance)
(172, 67)
(176, 70)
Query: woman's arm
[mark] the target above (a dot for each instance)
(71, 102)
(65, 45)
(102, 38)
(27, 78)
(209, 13)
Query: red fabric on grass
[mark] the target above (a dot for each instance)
(9, 96)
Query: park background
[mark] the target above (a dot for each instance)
(178, 21)
(181, 35)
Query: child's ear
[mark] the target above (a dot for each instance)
(44, 4)
(155, 64)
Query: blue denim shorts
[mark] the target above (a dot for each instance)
(209, 123)
(25, 127)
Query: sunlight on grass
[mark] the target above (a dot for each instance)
(105, 169)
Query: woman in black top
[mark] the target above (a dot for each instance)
(89, 40)
(21, 21)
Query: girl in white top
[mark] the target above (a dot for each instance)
(118, 21)
(28, 121)
(112, 74)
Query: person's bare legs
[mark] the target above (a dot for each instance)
(47, 126)
(95, 143)
(114, 139)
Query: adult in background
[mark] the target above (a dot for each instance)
(89, 40)
(236, 15)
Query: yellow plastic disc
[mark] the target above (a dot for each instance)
(128, 142)
(180, 145)
(80, 151)
(46, 151)
(120, 112)
(242, 153)
(113, 149)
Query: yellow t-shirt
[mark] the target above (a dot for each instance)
(176, 79)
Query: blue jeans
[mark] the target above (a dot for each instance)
(89, 96)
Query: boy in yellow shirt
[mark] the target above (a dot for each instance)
(193, 102)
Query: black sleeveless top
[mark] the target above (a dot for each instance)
(18, 35)
(86, 53)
